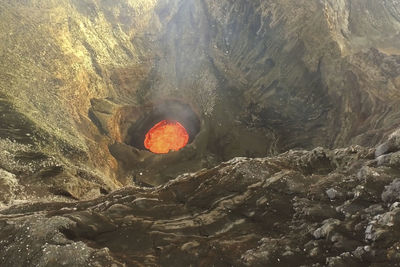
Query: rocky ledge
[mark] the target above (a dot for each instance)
(301, 208)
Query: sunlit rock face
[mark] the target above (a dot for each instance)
(82, 83)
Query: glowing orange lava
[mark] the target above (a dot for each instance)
(166, 136)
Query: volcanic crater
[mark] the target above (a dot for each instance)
(199, 133)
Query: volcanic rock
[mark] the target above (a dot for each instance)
(291, 108)
(244, 212)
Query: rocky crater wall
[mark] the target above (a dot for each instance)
(292, 113)
(262, 76)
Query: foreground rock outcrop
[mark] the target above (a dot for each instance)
(302, 208)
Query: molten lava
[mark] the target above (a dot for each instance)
(165, 136)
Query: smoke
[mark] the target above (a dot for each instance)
(183, 68)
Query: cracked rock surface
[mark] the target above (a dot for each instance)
(301, 208)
